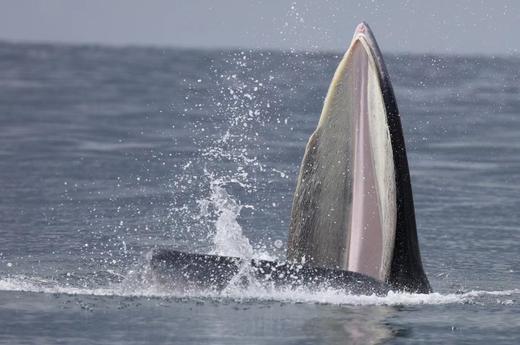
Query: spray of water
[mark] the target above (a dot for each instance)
(228, 238)
(223, 177)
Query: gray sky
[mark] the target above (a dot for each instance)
(440, 26)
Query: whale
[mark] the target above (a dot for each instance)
(187, 272)
(353, 221)
(353, 206)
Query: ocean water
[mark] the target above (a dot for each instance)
(106, 153)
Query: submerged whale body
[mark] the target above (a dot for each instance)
(188, 271)
(353, 218)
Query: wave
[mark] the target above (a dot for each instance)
(300, 295)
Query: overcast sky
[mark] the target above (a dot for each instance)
(440, 26)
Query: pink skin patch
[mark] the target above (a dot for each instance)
(361, 28)
(366, 247)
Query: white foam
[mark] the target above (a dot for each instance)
(228, 238)
(300, 295)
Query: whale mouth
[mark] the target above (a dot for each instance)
(373, 210)
(350, 165)
(353, 206)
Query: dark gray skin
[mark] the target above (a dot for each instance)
(186, 271)
(407, 272)
(325, 245)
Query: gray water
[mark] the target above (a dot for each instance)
(106, 153)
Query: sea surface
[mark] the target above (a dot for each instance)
(107, 153)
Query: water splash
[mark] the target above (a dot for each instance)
(228, 238)
(255, 293)
(222, 181)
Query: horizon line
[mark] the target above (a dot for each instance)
(231, 48)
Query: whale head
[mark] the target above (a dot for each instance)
(353, 205)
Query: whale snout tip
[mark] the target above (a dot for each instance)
(361, 28)
(363, 32)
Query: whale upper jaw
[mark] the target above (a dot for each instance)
(364, 34)
(353, 204)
